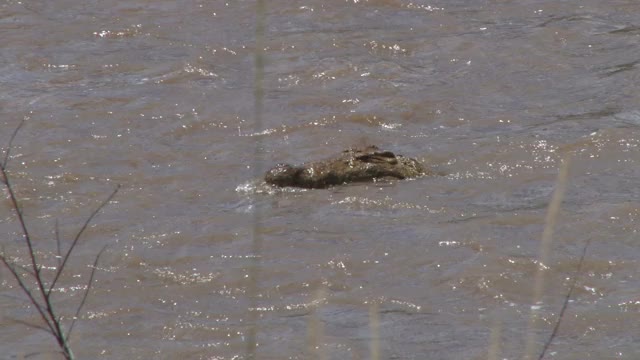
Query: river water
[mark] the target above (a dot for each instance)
(202, 258)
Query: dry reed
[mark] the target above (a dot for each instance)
(553, 212)
(256, 241)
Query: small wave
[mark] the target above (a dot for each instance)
(261, 187)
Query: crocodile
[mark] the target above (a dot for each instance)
(351, 165)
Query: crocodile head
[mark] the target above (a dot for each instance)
(284, 175)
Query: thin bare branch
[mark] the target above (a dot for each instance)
(16, 266)
(35, 326)
(86, 292)
(25, 232)
(8, 150)
(23, 268)
(75, 240)
(44, 306)
(566, 301)
(30, 296)
(23, 225)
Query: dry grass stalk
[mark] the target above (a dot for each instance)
(315, 331)
(256, 247)
(543, 260)
(374, 328)
(494, 341)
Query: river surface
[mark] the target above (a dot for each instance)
(203, 261)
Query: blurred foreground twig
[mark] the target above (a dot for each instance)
(40, 296)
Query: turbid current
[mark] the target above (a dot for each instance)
(203, 257)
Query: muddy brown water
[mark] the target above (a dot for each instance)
(159, 97)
